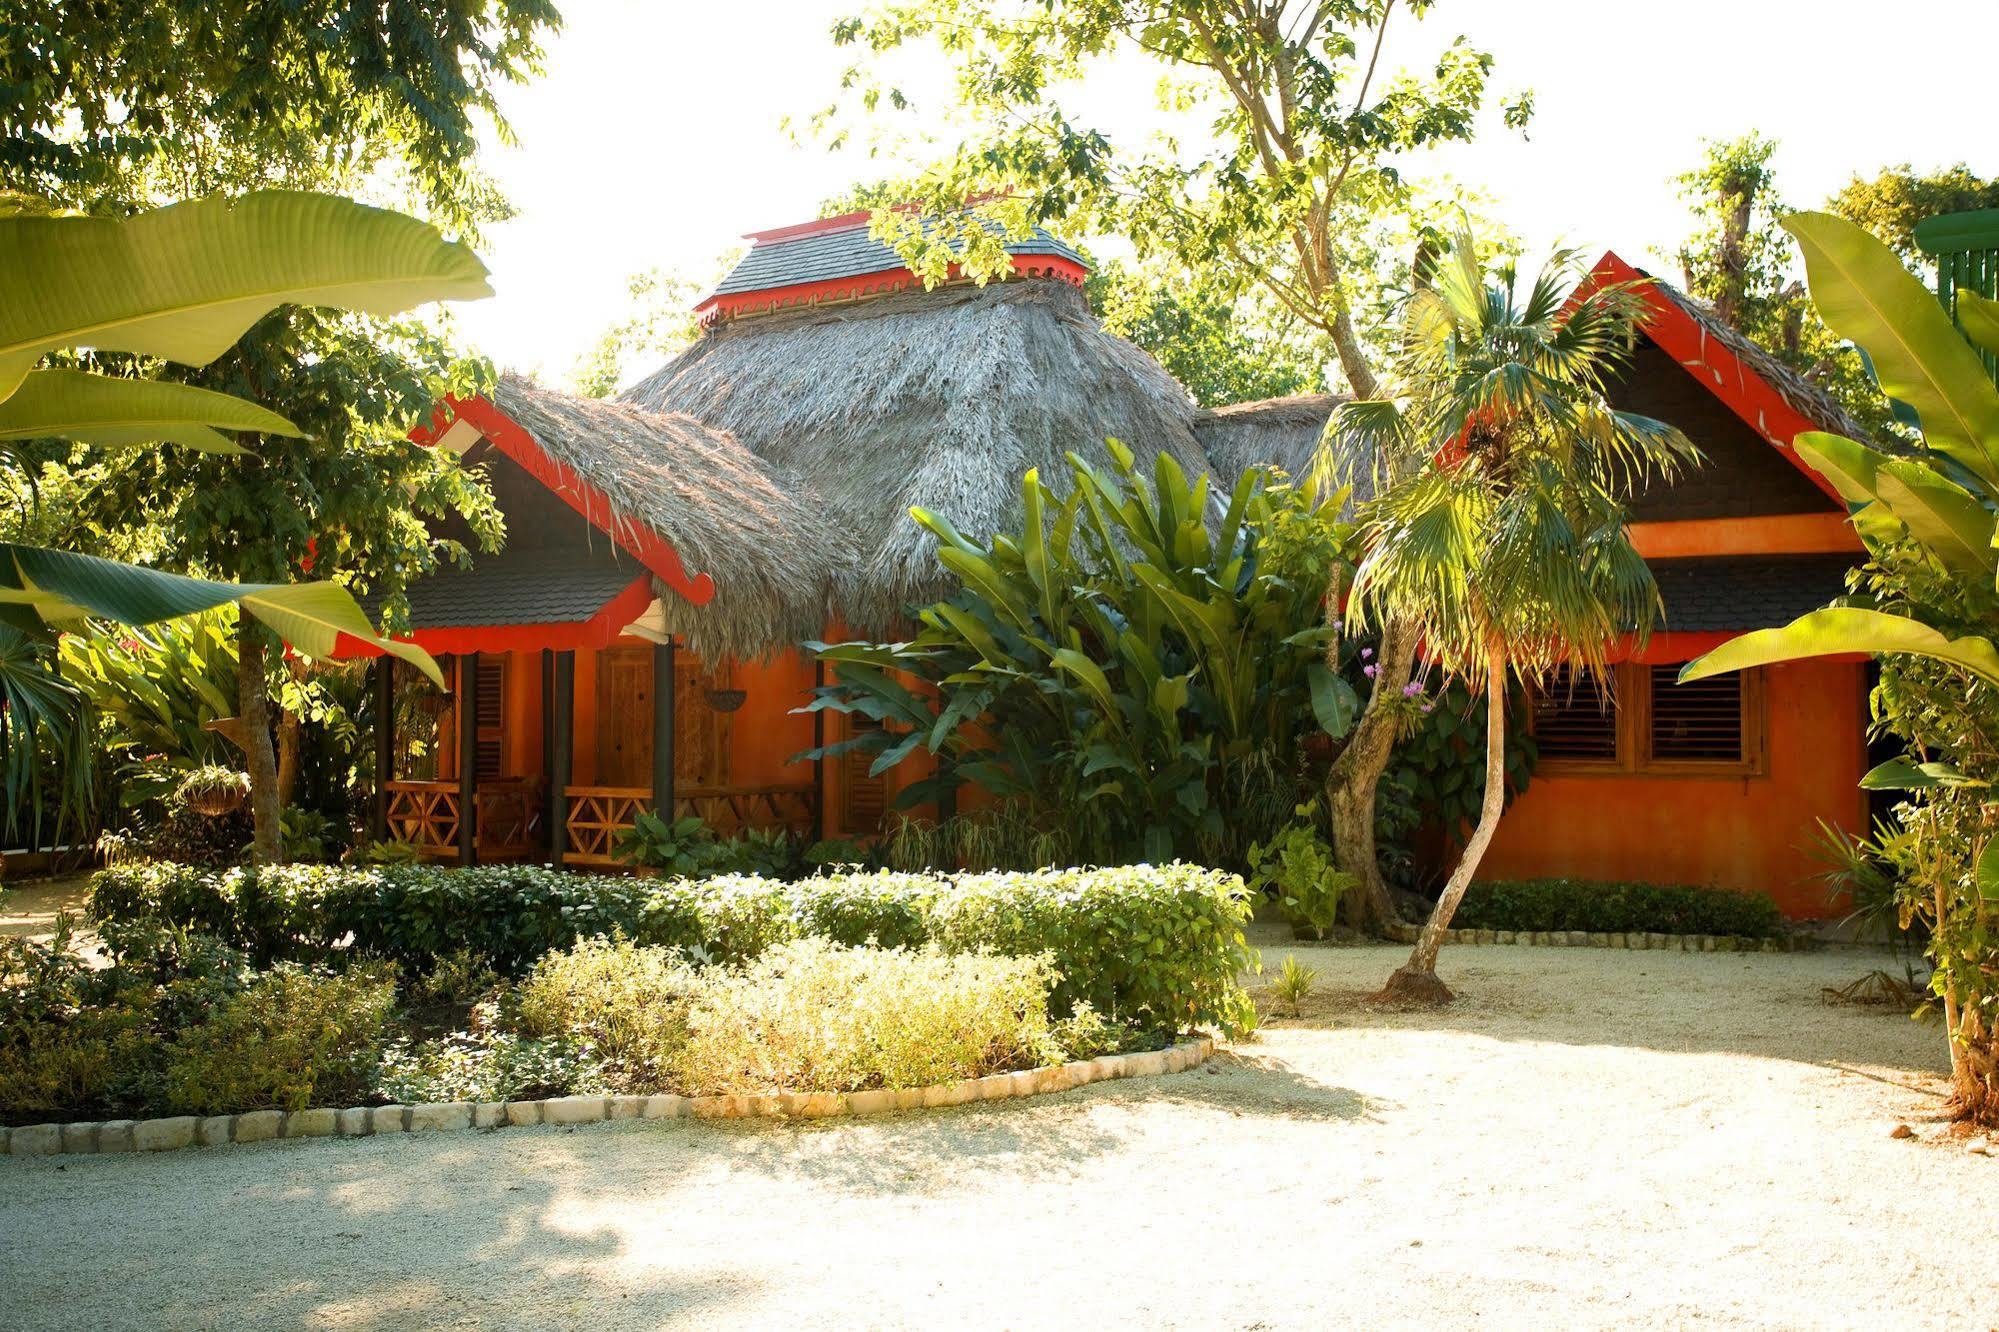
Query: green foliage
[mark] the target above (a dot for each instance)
(815, 1016)
(489, 1066)
(1152, 947)
(659, 323)
(685, 847)
(211, 779)
(1225, 338)
(1107, 665)
(115, 103)
(1297, 870)
(1294, 983)
(627, 1002)
(1615, 908)
(155, 695)
(1889, 206)
(290, 1041)
(1437, 775)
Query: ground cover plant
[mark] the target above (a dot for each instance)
(1588, 904)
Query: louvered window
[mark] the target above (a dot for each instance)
(489, 713)
(1697, 722)
(866, 798)
(1575, 718)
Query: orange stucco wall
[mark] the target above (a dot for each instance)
(1752, 833)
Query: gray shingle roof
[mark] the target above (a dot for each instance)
(1747, 592)
(847, 253)
(521, 585)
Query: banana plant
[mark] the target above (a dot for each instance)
(1104, 661)
(1942, 499)
(182, 284)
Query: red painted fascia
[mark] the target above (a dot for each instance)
(599, 631)
(635, 538)
(880, 282)
(1719, 369)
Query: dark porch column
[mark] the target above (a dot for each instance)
(825, 828)
(468, 758)
(663, 704)
(385, 745)
(561, 750)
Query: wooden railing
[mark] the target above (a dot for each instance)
(425, 815)
(599, 815)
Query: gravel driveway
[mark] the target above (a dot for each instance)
(1588, 1138)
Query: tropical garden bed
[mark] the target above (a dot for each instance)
(283, 989)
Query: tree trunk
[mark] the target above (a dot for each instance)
(253, 704)
(289, 736)
(1416, 981)
(1356, 775)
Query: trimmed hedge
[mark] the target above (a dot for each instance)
(1586, 904)
(1157, 946)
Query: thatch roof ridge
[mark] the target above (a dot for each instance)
(1797, 390)
(758, 530)
(941, 399)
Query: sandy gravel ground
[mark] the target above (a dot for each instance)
(1588, 1139)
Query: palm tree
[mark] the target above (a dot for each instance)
(1507, 546)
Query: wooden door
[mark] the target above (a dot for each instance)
(624, 721)
(624, 716)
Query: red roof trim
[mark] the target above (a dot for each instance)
(509, 437)
(599, 631)
(816, 227)
(1719, 369)
(880, 282)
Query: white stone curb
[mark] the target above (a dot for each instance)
(163, 1135)
(1675, 943)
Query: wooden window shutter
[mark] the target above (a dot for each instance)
(1575, 718)
(489, 711)
(1702, 721)
(865, 798)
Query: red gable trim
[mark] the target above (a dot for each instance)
(599, 631)
(635, 538)
(1719, 369)
(816, 227)
(880, 282)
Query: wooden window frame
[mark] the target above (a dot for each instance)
(1632, 701)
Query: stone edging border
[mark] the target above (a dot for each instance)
(163, 1135)
(1673, 943)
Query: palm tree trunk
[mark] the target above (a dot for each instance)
(253, 704)
(1416, 981)
(1356, 776)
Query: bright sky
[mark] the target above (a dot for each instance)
(656, 136)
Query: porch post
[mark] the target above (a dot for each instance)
(547, 732)
(819, 742)
(468, 758)
(562, 749)
(385, 745)
(663, 703)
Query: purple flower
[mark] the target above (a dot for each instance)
(1365, 653)
(1412, 689)
(1429, 707)
(1371, 672)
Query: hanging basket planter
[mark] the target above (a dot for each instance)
(214, 792)
(726, 700)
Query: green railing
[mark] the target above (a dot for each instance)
(1966, 248)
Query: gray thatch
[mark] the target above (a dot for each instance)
(1273, 432)
(941, 399)
(759, 531)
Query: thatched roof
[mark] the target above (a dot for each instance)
(1272, 432)
(758, 530)
(1798, 392)
(941, 399)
